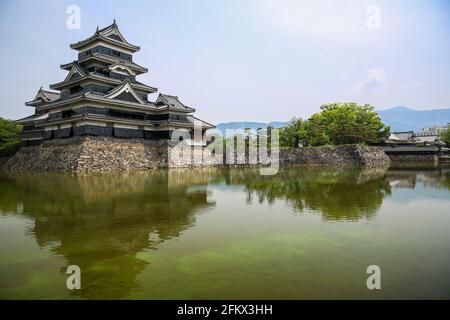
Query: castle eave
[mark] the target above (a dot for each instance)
(30, 119)
(84, 43)
(96, 56)
(91, 97)
(135, 84)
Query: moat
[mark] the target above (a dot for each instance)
(226, 233)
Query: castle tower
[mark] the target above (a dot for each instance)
(101, 96)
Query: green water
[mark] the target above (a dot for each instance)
(216, 234)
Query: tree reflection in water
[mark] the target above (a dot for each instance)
(336, 194)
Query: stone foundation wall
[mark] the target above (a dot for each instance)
(181, 155)
(341, 156)
(97, 154)
(88, 154)
(112, 154)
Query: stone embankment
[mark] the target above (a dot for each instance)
(340, 156)
(98, 154)
(88, 154)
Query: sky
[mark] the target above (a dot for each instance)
(244, 60)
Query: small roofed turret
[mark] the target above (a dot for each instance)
(42, 97)
(171, 102)
(110, 35)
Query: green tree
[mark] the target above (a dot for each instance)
(9, 137)
(316, 133)
(336, 123)
(294, 133)
(444, 136)
(345, 123)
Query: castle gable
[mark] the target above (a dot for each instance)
(125, 92)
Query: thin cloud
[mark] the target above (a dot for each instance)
(374, 78)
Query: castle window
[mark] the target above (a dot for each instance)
(76, 89)
(67, 113)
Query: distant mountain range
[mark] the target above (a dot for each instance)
(405, 119)
(398, 118)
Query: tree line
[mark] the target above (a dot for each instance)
(9, 137)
